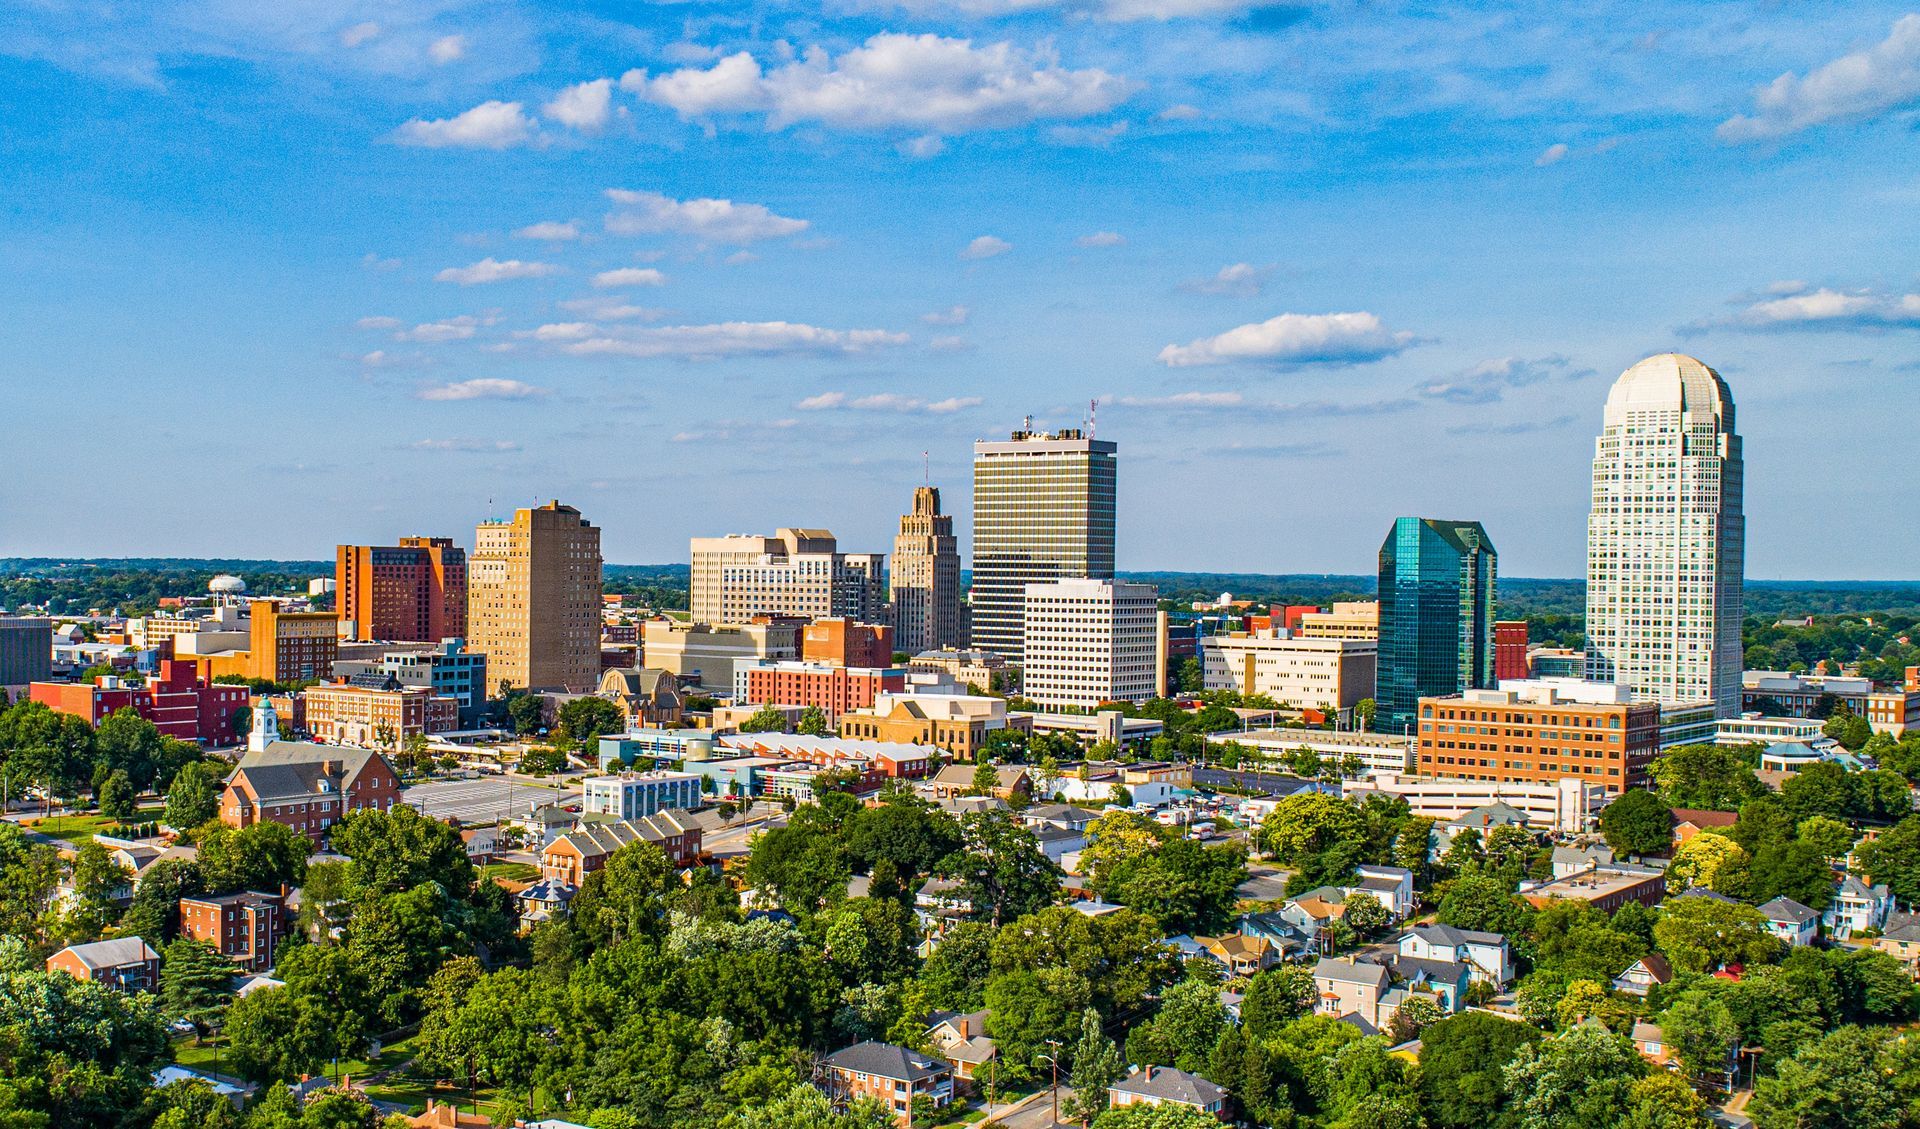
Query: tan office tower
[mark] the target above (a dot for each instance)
(926, 579)
(533, 600)
(796, 572)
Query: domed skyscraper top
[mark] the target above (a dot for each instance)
(1669, 381)
(1666, 541)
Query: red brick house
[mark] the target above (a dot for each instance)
(128, 964)
(580, 852)
(245, 927)
(891, 1075)
(307, 787)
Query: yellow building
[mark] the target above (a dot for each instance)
(533, 600)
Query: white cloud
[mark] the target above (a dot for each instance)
(1087, 136)
(374, 262)
(611, 308)
(1489, 380)
(585, 106)
(554, 231)
(378, 323)
(1180, 112)
(986, 247)
(735, 339)
(1185, 400)
(949, 343)
(1551, 155)
(723, 221)
(1853, 87)
(1240, 279)
(922, 82)
(470, 446)
(490, 125)
(480, 389)
(491, 269)
(447, 49)
(448, 329)
(360, 33)
(1826, 308)
(741, 258)
(922, 147)
(1101, 239)
(629, 276)
(887, 402)
(560, 331)
(952, 315)
(1294, 339)
(376, 359)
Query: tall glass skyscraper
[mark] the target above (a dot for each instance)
(1436, 616)
(1666, 542)
(1043, 510)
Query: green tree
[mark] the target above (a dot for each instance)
(1701, 934)
(1186, 885)
(1715, 777)
(1638, 824)
(75, 1053)
(1582, 1077)
(97, 883)
(399, 849)
(1366, 915)
(1143, 1116)
(1097, 1064)
(194, 796)
(813, 722)
(1000, 869)
(765, 720)
(277, 1035)
(1462, 1059)
(1848, 728)
(196, 983)
(126, 742)
(117, 795)
(259, 856)
(626, 897)
(1182, 1033)
(1484, 903)
(154, 913)
(1844, 1078)
(1307, 823)
(1277, 997)
(1029, 1007)
(585, 719)
(1701, 859)
(1893, 858)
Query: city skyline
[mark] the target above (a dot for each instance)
(404, 262)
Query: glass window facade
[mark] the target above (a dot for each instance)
(1436, 615)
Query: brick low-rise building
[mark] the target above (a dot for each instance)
(176, 700)
(245, 927)
(127, 964)
(305, 786)
(381, 716)
(580, 852)
(834, 690)
(882, 1072)
(1533, 732)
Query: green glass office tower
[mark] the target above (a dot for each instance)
(1436, 615)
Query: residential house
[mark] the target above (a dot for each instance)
(1482, 820)
(1064, 817)
(544, 900)
(1351, 986)
(957, 780)
(245, 927)
(482, 844)
(1444, 981)
(1242, 954)
(1790, 921)
(1569, 861)
(1163, 1085)
(1688, 822)
(544, 823)
(440, 1115)
(580, 852)
(1277, 928)
(127, 964)
(1856, 908)
(892, 1075)
(1488, 956)
(961, 1038)
(1643, 974)
(1392, 885)
(1651, 1042)
(1058, 842)
(1900, 939)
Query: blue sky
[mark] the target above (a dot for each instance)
(283, 275)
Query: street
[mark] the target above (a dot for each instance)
(1034, 1112)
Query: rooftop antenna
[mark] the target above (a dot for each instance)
(926, 469)
(1093, 418)
(1026, 423)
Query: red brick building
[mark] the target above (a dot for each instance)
(178, 702)
(580, 852)
(834, 689)
(245, 927)
(415, 591)
(840, 641)
(1510, 649)
(307, 787)
(375, 716)
(891, 1075)
(126, 964)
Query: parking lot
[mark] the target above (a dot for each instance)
(488, 799)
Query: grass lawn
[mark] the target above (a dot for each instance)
(199, 1056)
(511, 871)
(84, 826)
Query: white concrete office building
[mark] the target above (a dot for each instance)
(1092, 641)
(635, 795)
(1322, 674)
(1666, 540)
(796, 572)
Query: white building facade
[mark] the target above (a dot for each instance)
(1092, 641)
(1324, 674)
(1666, 539)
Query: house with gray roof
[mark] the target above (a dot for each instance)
(1856, 908)
(1163, 1085)
(891, 1075)
(1487, 955)
(1790, 921)
(127, 964)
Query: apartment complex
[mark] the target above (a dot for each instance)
(377, 717)
(924, 584)
(1355, 619)
(839, 641)
(712, 655)
(834, 690)
(1537, 734)
(1323, 674)
(533, 599)
(1092, 641)
(1666, 540)
(246, 927)
(1436, 615)
(796, 572)
(1044, 509)
(580, 852)
(415, 591)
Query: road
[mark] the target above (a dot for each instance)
(1036, 1112)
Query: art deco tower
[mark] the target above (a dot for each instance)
(1666, 542)
(926, 579)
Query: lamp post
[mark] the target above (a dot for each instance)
(1053, 1091)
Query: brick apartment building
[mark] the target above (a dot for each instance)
(580, 852)
(176, 700)
(835, 690)
(415, 591)
(126, 964)
(891, 1075)
(307, 787)
(1510, 650)
(245, 927)
(840, 641)
(1534, 736)
(376, 716)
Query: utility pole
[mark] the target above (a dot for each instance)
(1053, 1092)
